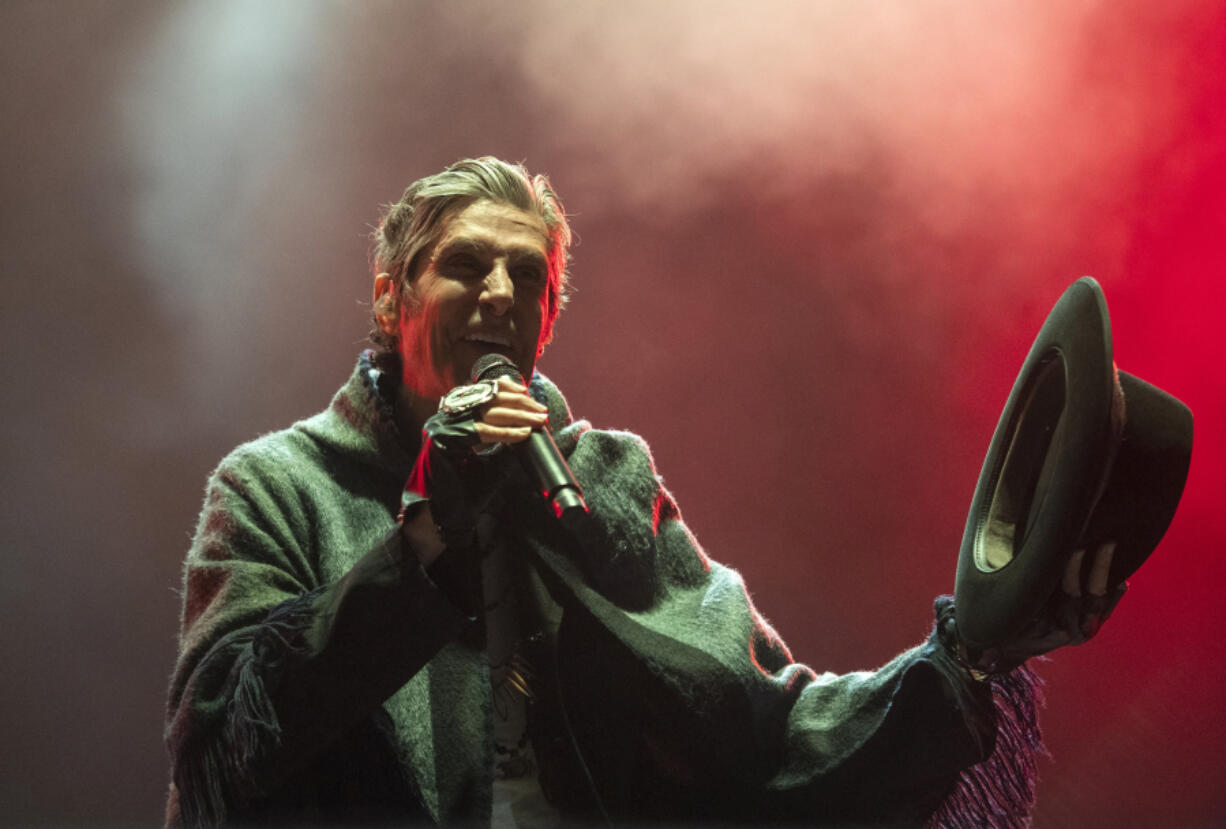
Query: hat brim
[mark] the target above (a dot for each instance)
(1050, 465)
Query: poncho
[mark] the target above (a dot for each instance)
(323, 676)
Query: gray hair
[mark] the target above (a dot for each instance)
(413, 224)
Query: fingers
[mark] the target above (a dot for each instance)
(1100, 569)
(1071, 583)
(502, 434)
(1096, 606)
(1074, 614)
(511, 416)
(1070, 618)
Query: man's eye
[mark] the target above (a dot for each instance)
(463, 264)
(529, 274)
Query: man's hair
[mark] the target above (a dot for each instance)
(413, 224)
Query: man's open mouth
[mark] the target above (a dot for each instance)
(490, 343)
(500, 341)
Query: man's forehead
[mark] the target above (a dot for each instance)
(494, 225)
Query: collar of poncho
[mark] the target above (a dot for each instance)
(360, 422)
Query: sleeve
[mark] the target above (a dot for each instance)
(738, 730)
(274, 666)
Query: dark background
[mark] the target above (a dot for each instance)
(816, 241)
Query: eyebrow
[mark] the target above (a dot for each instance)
(464, 244)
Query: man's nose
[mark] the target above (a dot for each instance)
(498, 292)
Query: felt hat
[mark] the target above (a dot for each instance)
(1082, 454)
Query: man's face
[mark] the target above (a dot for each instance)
(483, 287)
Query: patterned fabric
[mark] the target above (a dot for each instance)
(511, 674)
(669, 697)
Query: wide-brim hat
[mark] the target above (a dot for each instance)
(1083, 454)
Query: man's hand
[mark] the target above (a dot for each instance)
(1072, 616)
(511, 416)
(457, 471)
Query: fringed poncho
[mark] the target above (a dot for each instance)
(324, 677)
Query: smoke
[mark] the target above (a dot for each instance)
(667, 101)
(996, 125)
(210, 112)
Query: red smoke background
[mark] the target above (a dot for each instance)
(816, 241)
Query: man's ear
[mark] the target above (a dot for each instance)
(387, 304)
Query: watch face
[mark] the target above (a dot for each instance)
(463, 399)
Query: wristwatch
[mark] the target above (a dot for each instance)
(465, 400)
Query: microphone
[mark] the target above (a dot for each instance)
(539, 453)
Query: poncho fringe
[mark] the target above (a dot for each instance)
(251, 730)
(999, 792)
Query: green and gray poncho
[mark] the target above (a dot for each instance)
(323, 676)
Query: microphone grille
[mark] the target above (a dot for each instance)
(493, 366)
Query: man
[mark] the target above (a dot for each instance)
(355, 648)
